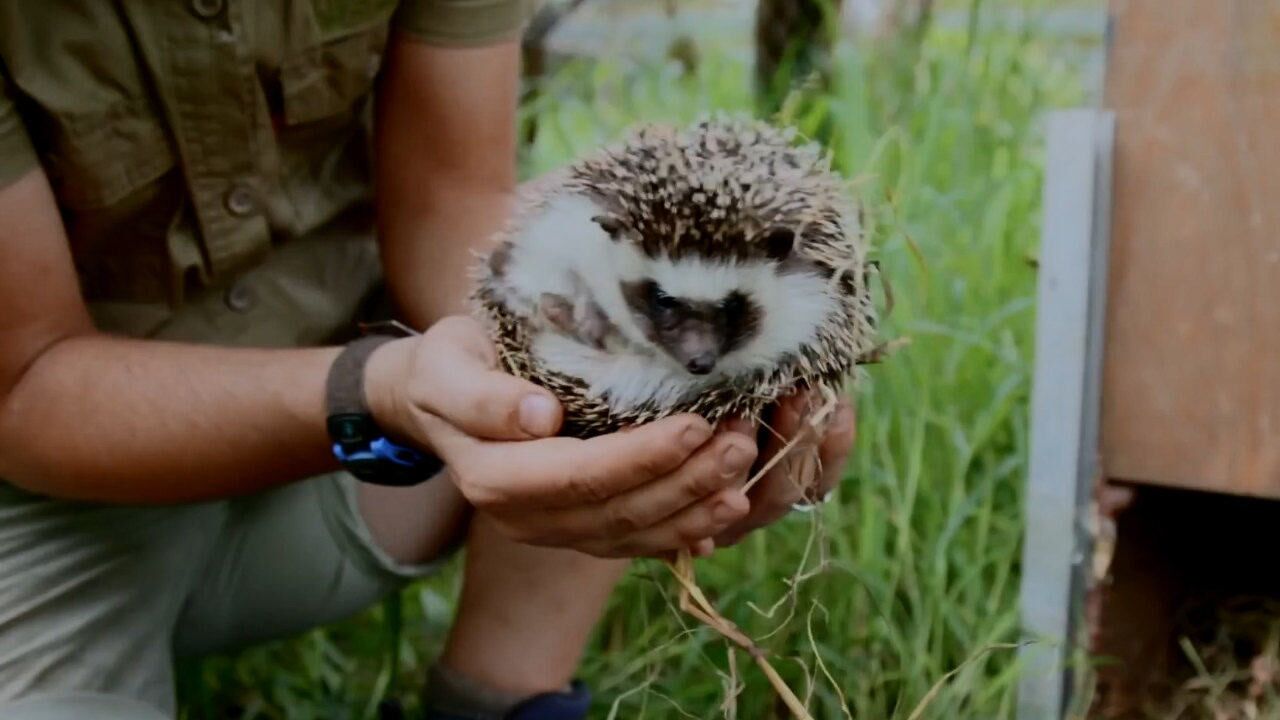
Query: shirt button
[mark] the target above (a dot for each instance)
(239, 297)
(240, 201)
(207, 9)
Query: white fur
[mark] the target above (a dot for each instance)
(550, 248)
(563, 251)
(626, 379)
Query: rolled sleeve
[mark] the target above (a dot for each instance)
(17, 154)
(463, 22)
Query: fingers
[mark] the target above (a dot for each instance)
(455, 378)
(788, 483)
(688, 528)
(808, 474)
(721, 463)
(816, 462)
(790, 477)
(458, 333)
(565, 472)
(703, 548)
(788, 419)
(676, 501)
(835, 448)
(491, 404)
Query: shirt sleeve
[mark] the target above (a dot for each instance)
(17, 154)
(463, 22)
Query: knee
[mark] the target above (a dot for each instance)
(415, 525)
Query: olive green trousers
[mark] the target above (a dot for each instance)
(96, 601)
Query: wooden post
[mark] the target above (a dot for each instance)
(1189, 431)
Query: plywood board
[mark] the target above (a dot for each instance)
(1191, 380)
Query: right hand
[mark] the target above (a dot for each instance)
(666, 485)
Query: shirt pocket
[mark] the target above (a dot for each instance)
(332, 76)
(84, 99)
(100, 158)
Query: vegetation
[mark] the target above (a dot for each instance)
(899, 598)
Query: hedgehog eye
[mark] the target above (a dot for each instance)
(611, 225)
(661, 300)
(733, 304)
(778, 243)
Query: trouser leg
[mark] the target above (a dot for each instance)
(289, 560)
(89, 595)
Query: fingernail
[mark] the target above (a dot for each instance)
(695, 436)
(538, 415)
(735, 459)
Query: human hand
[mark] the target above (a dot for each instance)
(809, 472)
(650, 489)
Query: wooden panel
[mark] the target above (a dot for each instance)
(1192, 369)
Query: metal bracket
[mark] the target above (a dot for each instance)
(1065, 403)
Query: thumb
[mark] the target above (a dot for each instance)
(461, 385)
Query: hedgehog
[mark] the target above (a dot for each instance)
(709, 269)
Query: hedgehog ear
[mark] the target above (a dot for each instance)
(778, 243)
(499, 259)
(611, 225)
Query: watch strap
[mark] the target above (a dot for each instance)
(344, 387)
(358, 442)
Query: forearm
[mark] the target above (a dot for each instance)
(443, 192)
(101, 418)
(429, 246)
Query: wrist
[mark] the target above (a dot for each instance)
(361, 440)
(386, 375)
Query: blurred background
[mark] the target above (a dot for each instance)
(899, 598)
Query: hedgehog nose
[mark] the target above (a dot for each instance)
(702, 364)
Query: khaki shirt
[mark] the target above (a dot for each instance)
(186, 138)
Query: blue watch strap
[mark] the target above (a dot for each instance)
(358, 443)
(381, 449)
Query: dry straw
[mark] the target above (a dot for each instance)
(693, 600)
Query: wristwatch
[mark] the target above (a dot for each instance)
(362, 448)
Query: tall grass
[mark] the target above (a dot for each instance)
(913, 573)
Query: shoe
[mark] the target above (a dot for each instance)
(571, 704)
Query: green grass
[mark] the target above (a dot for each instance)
(919, 554)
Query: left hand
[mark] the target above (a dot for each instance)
(794, 479)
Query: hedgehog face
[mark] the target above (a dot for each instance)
(696, 333)
(727, 313)
(695, 330)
